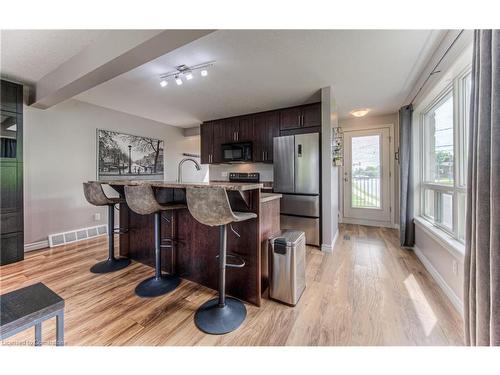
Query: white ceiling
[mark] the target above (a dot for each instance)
(28, 55)
(255, 70)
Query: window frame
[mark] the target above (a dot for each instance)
(457, 88)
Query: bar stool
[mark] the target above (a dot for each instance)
(210, 206)
(141, 200)
(96, 196)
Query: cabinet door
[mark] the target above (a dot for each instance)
(311, 115)
(11, 96)
(206, 142)
(224, 132)
(272, 130)
(11, 248)
(290, 118)
(259, 137)
(245, 129)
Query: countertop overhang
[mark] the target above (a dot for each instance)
(267, 197)
(238, 186)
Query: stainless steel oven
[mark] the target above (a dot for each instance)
(237, 152)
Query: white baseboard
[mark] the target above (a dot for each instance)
(36, 245)
(329, 248)
(454, 299)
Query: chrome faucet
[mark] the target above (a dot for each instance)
(179, 170)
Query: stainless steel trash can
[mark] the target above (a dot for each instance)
(288, 266)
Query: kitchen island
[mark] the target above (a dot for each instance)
(194, 254)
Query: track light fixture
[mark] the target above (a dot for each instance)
(186, 72)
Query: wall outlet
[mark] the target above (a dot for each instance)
(455, 267)
(97, 216)
(224, 174)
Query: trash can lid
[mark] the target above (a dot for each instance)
(291, 237)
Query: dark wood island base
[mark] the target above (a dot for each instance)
(194, 254)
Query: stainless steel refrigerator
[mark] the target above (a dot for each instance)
(297, 177)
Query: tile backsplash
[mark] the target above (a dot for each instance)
(220, 172)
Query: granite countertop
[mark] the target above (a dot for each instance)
(267, 197)
(239, 186)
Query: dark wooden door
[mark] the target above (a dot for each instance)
(290, 118)
(206, 142)
(311, 115)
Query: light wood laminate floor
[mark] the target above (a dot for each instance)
(369, 291)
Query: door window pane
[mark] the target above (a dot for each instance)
(365, 187)
(438, 133)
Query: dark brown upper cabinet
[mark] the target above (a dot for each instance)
(266, 127)
(311, 115)
(301, 117)
(245, 130)
(207, 142)
(290, 118)
(259, 129)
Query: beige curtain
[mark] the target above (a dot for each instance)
(482, 254)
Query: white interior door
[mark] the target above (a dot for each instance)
(367, 194)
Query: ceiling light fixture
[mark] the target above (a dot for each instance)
(360, 112)
(186, 72)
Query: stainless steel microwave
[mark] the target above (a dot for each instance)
(237, 152)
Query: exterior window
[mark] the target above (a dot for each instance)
(444, 158)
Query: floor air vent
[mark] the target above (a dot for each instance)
(76, 235)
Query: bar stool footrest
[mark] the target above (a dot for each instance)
(237, 262)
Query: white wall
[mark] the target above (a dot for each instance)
(329, 173)
(444, 264)
(60, 154)
(393, 118)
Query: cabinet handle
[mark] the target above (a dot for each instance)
(263, 156)
(237, 136)
(302, 120)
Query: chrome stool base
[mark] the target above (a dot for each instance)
(154, 287)
(110, 265)
(216, 320)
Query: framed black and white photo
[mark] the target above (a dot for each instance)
(128, 157)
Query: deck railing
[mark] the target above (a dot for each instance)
(365, 192)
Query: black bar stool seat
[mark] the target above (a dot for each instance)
(95, 195)
(141, 200)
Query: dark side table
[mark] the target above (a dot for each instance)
(30, 306)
